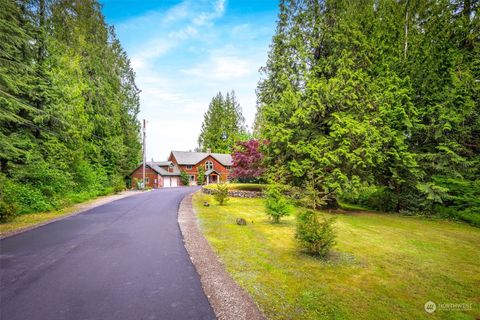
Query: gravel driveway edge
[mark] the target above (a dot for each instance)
(229, 301)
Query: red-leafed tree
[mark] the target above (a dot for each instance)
(247, 161)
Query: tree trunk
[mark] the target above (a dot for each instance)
(405, 47)
(330, 203)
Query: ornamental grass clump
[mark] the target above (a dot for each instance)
(221, 194)
(315, 232)
(276, 204)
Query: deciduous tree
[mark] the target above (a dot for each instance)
(247, 161)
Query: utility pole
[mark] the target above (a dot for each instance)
(144, 154)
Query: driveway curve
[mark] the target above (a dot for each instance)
(122, 260)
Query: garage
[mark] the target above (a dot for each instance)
(163, 174)
(170, 182)
(167, 182)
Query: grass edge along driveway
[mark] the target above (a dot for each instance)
(28, 221)
(384, 265)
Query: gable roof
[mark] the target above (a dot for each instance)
(157, 167)
(192, 158)
(161, 163)
(209, 172)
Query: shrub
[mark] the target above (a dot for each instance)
(184, 178)
(247, 187)
(27, 198)
(7, 211)
(46, 178)
(106, 191)
(372, 197)
(85, 176)
(315, 234)
(201, 176)
(461, 201)
(138, 183)
(471, 215)
(221, 194)
(117, 183)
(276, 205)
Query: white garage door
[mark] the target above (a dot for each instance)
(174, 182)
(166, 182)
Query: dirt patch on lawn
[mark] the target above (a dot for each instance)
(229, 301)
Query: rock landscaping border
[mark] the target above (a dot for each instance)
(237, 193)
(228, 300)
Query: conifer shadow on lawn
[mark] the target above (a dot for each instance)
(383, 264)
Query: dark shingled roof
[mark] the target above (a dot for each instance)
(157, 167)
(192, 158)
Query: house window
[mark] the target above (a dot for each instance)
(208, 165)
(191, 178)
(146, 180)
(189, 166)
(228, 167)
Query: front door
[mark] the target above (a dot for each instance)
(213, 178)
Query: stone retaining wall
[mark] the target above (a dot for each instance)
(237, 193)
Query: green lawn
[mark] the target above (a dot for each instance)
(384, 266)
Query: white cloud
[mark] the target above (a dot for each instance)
(220, 7)
(172, 27)
(153, 49)
(178, 12)
(158, 18)
(205, 18)
(241, 29)
(182, 57)
(220, 67)
(183, 34)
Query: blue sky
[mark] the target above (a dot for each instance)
(184, 52)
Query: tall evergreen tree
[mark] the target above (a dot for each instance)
(69, 104)
(16, 73)
(373, 92)
(223, 124)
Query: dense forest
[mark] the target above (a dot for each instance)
(223, 124)
(376, 102)
(69, 105)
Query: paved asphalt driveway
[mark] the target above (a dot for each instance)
(122, 260)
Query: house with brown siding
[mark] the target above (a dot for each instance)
(157, 175)
(167, 173)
